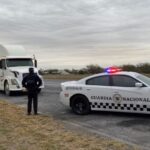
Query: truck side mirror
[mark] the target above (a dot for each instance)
(35, 63)
(3, 64)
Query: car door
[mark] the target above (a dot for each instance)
(99, 92)
(127, 96)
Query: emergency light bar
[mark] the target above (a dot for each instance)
(112, 70)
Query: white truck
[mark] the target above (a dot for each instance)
(14, 66)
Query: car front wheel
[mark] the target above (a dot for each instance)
(80, 105)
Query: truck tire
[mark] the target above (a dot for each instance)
(80, 105)
(6, 89)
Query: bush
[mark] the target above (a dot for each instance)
(83, 71)
(143, 68)
(92, 69)
(53, 71)
(129, 68)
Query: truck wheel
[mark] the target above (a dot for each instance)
(6, 89)
(80, 105)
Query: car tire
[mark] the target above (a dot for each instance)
(6, 89)
(80, 105)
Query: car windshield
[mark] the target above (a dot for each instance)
(19, 62)
(145, 79)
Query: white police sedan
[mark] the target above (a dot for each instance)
(114, 90)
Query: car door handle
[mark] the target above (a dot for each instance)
(88, 89)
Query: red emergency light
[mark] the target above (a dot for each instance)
(113, 70)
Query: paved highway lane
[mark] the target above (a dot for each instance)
(131, 128)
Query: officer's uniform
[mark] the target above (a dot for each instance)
(32, 83)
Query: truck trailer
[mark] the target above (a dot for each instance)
(14, 66)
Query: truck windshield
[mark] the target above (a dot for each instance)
(19, 62)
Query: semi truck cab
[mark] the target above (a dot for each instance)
(14, 68)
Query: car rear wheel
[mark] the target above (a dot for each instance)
(6, 89)
(80, 105)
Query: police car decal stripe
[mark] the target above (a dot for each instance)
(123, 107)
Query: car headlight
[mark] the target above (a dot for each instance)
(14, 82)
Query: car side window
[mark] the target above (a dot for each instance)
(101, 81)
(123, 81)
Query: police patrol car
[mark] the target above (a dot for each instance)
(114, 90)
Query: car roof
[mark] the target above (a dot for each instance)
(133, 74)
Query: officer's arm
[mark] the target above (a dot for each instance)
(39, 81)
(24, 82)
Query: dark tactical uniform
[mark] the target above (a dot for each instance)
(32, 83)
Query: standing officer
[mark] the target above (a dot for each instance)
(32, 83)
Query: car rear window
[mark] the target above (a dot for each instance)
(101, 81)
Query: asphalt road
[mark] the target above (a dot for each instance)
(130, 128)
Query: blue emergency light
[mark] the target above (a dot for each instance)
(113, 70)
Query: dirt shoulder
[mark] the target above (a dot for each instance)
(21, 132)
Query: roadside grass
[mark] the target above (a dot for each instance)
(21, 132)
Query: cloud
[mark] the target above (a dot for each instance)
(78, 32)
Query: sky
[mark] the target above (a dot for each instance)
(76, 33)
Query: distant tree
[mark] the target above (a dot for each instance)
(143, 67)
(67, 70)
(94, 69)
(129, 67)
(53, 71)
(83, 71)
(74, 71)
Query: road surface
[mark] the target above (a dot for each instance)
(130, 128)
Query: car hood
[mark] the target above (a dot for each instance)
(22, 69)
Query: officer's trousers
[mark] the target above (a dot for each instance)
(32, 98)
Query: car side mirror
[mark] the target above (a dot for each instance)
(138, 84)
